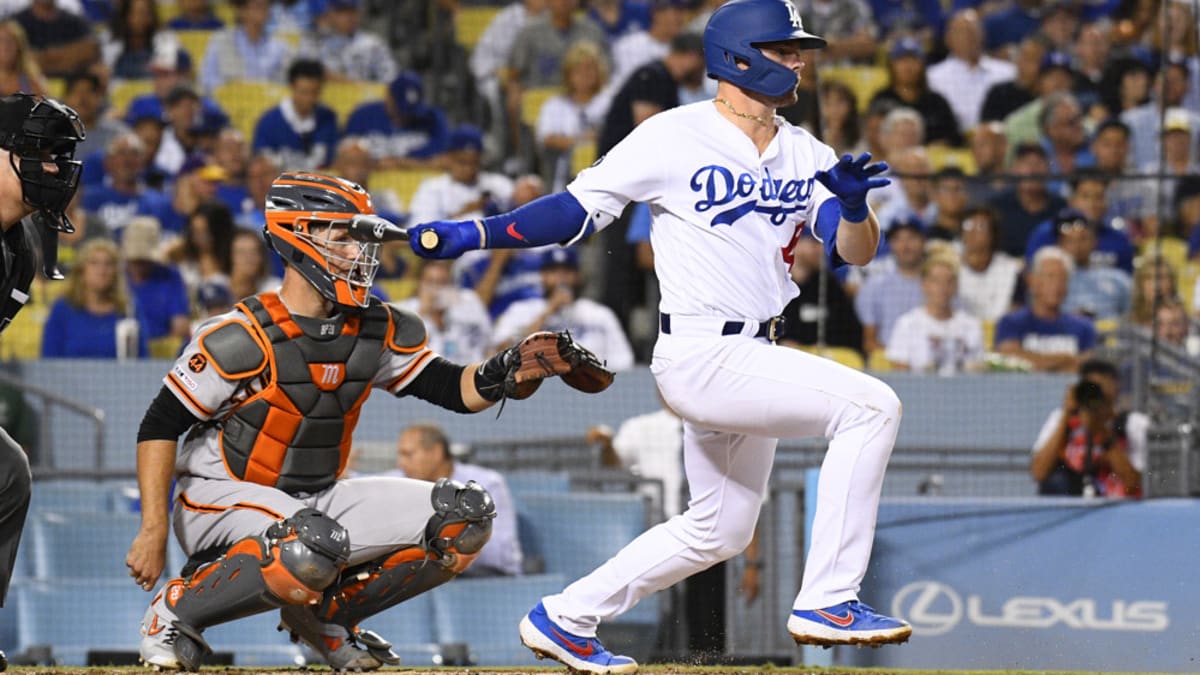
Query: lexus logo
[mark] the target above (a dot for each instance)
(932, 608)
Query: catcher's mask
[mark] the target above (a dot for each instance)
(40, 135)
(314, 222)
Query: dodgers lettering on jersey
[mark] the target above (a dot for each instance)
(724, 219)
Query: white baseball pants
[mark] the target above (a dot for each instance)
(737, 396)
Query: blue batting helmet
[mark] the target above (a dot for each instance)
(733, 33)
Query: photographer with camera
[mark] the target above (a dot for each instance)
(1086, 448)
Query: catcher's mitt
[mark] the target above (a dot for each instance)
(547, 354)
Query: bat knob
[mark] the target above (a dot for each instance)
(429, 240)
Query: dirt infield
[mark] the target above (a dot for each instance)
(658, 669)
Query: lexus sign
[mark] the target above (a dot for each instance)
(934, 608)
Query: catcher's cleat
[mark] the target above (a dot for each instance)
(579, 654)
(850, 623)
(343, 649)
(167, 642)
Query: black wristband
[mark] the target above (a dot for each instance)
(491, 375)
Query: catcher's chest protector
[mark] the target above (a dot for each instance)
(295, 434)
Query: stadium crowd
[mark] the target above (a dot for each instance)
(1045, 159)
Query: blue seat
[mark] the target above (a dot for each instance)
(484, 613)
(8, 619)
(82, 545)
(409, 627)
(75, 616)
(70, 495)
(525, 482)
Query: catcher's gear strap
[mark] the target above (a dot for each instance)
(166, 419)
(440, 383)
(460, 526)
(233, 350)
(291, 564)
(406, 334)
(491, 375)
(552, 219)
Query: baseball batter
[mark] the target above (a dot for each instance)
(38, 178)
(731, 187)
(269, 395)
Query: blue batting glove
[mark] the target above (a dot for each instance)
(444, 238)
(849, 180)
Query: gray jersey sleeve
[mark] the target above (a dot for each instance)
(222, 355)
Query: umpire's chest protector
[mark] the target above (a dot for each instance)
(294, 434)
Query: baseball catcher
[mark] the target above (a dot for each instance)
(38, 177)
(269, 395)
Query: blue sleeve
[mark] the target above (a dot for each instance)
(327, 132)
(1006, 330)
(828, 216)
(1042, 235)
(178, 304)
(639, 224)
(56, 326)
(552, 219)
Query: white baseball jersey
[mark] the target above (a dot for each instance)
(725, 218)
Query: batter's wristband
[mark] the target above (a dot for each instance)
(853, 214)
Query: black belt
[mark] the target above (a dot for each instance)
(772, 328)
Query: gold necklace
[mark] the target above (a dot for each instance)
(763, 120)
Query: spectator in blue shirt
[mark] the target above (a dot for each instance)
(247, 51)
(1089, 199)
(1061, 125)
(195, 15)
(1041, 333)
(1097, 292)
(170, 69)
(160, 297)
(86, 321)
(920, 18)
(63, 42)
(403, 131)
(122, 195)
(619, 17)
(300, 133)
(888, 294)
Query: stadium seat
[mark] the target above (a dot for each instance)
(195, 43)
(8, 618)
(70, 496)
(82, 545)
(989, 335)
(484, 613)
(56, 87)
(344, 96)
(878, 361)
(470, 22)
(23, 338)
(843, 355)
(404, 182)
(246, 101)
(575, 532)
(409, 626)
(74, 616)
(941, 157)
(122, 92)
(583, 155)
(864, 81)
(1173, 250)
(256, 641)
(525, 482)
(532, 101)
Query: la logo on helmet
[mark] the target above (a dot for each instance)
(794, 16)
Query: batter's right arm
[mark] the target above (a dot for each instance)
(553, 219)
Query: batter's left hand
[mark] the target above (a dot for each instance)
(850, 180)
(444, 239)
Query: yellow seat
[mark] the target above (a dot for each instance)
(122, 93)
(56, 87)
(864, 81)
(1187, 284)
(225, 12)
(532, 101)
(1174, 252)
(344, 96)
(195, 43)
(23, 337)
(877, 360)
(989, 334)
(246, 101)
(843, 355)
(470, 22)
(403, 182)
(941, 157)
(166, 347)
(583, 155)
(397, 289)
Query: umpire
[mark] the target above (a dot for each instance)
(38, 177)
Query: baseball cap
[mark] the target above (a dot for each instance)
(1060, 60)
(407, 92)
(908, 223)
(140, 238)
(906, 47)
(1177, 119)
(144, 108)
(214, 294)
(560, 257)
(1069, 218)
(465, 137)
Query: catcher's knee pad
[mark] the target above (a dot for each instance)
(461, 522)
(291, 564)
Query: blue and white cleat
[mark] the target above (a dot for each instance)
(579, 654)
(850, 623)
